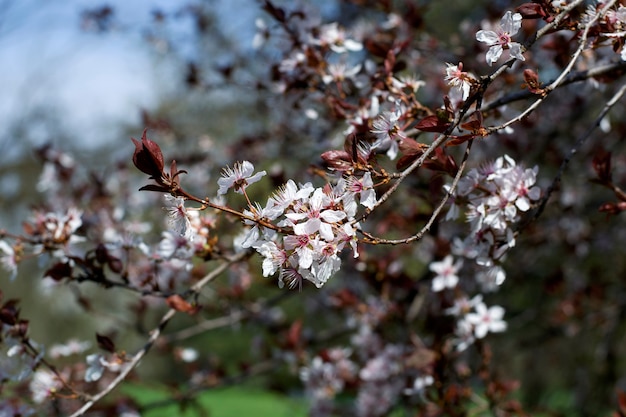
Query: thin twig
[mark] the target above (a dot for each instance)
(556, 83)
(573, 77)
(557, 179)
(433, 217)
(154, 335)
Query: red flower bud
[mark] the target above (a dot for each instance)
(148, 157)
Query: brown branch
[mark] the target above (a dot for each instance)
(583, 138)
(376, 241)
(154, 335)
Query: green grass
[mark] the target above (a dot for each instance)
(225, 402)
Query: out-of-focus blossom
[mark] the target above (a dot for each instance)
(487, 320)
(8, 259)
(71, 347)
(43, 385)
(446, 273)
(335, 38)
(340, 72)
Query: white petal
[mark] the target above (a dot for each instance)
(516, 51)
(332, 216)
(326, 232)
(487, 36)
(493, 54)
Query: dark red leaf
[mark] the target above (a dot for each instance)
(621, 402)
(9, 312)
(411, 146)
(155, 187)
(460, 139)
(295, 333)
(59, 271)
(338, 160)
(432, 124)
(532, 82)
(105, 343)
(405, 160)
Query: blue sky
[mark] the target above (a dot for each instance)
(87, 82)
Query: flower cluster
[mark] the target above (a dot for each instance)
(494, 196)
(317, 223)
(378, 373)
(475, 320)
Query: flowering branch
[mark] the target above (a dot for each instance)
(155, 334)
(548, 89)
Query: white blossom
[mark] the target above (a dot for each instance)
(500, 38)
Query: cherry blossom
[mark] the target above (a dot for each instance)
(238, 177)
(8, 258)
(387, 131)
(459, 80)
(43, 385)
(446, 273)
(333, 36)
(178, 217)
(318, 218)
(500, 38)
(487, 320)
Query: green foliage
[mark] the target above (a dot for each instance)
(237, 401)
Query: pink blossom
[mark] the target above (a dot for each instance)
(446, 273)
(501, 38)
(487, 320)
(238, 177)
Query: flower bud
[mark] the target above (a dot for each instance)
(148, 157)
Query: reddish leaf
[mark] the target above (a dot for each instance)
(532, 82)
(59, 271)
(621, 402)
(105, 343)
(154, 187)
(441, 162)
(405, 160)
(613, 208)
(411, 146)
(460, 139)
(337, 160)
(432, 124)
(178, 303)
(9, 312)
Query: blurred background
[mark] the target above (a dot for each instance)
(82, 77)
